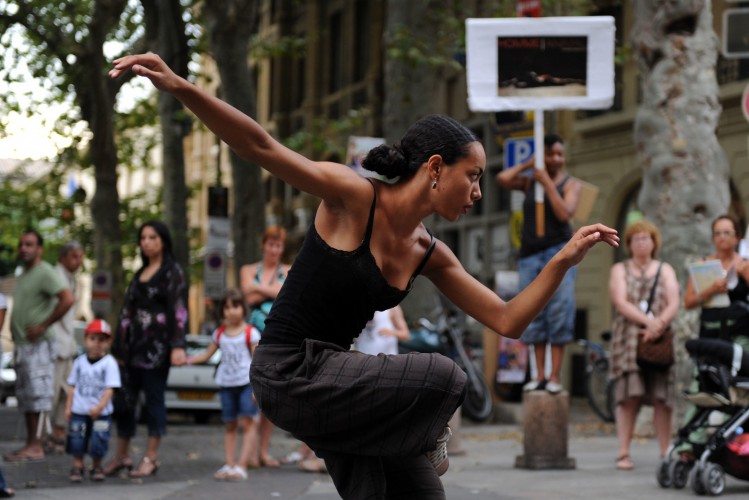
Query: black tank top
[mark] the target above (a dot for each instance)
(555, 232)
(330, 294)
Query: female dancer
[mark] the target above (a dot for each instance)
(377, 421)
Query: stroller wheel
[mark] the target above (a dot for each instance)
(714, 479)
(679, 471)
(663, 475)
(695, 480)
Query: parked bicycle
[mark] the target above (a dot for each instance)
(598, 388)
(445, 335)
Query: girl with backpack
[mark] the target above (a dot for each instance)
(237, 341)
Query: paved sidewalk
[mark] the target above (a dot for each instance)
(484, 471)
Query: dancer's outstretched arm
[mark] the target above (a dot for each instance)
(330, 181)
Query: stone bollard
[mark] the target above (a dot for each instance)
(454, 445)
(545, 431)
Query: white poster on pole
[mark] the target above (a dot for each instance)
(540, 63)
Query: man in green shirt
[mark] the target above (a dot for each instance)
(39, 300)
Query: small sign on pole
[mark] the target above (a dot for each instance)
(101, 293)
(516, 150)
(214, 275)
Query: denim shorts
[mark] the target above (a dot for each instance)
(237, 402)
(88, 435)
(555, 324)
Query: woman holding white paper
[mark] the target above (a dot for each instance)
(718, 321)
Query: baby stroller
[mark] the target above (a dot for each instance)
(722, 410)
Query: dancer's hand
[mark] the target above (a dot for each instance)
(584, 239)
(149, 65)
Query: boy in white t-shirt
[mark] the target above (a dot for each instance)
(89, 408)
(237, 341)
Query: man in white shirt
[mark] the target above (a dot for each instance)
(66, 348)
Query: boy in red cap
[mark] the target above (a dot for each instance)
(89, 408)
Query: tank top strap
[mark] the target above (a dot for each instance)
(370, 221)
(424, 259)
(259, 275)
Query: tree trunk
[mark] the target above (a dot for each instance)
(96, 97)
(166, 32)
(411, 82)
(685, 172)
(230, 25)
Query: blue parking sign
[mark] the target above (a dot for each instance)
(517, 150)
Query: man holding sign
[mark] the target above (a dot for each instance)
(555, 324)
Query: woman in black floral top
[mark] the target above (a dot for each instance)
(149, 339)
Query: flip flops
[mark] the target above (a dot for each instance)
(20, 456)
(229, 473)
(237, 473)
(624, 462)
(269, 461)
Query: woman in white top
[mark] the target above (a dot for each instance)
(383, 331)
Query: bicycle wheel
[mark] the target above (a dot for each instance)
(478, 404)
(600, 391)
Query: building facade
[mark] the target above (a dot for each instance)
(334, 90)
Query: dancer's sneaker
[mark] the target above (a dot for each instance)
(438, 457)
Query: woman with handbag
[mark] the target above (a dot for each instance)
(645, 295)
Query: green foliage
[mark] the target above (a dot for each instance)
(34, 197)
(324, 138)
(292, 46)
(44, 47)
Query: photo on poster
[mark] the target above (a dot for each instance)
(521, 64)
(542, 66)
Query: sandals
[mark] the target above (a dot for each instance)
(146, 468)
(97, 474)
(117, 464)
(624, 462)
(269, 461)
(53, 445)
(313, 464)
(221, 474)
(76, 475)
(229, 473)
(237, 473)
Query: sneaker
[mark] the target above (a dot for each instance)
(438, 457)
(553, 388)
(534, 385)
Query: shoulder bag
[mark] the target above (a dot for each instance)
(657, 355)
